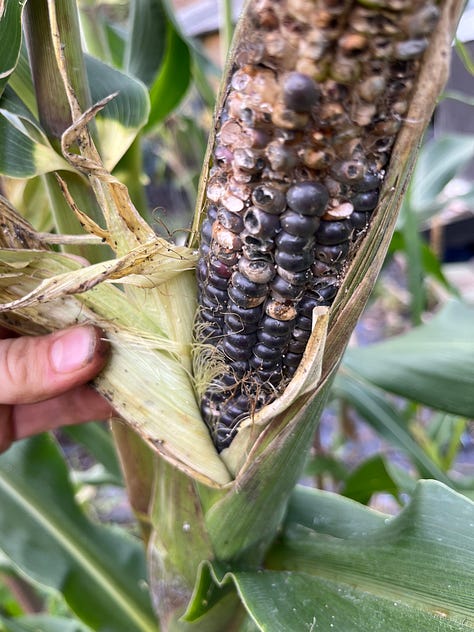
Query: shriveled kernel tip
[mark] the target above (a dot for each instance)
(261, 224)
(258, 271)
(269, 199)
(280, 311)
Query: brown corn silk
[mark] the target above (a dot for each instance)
(317, 93)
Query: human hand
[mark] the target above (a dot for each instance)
(43, 381)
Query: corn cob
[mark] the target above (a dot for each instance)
(316, 96)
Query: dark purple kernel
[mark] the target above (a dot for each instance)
(333, 232)
(300, 334)
(320, 269)
(261, 224)
(271, 340)
(243, 340)
(211, 304)
(222, 436)
(300, 92)
(327, 293)
(297, 224)
(296, 278)
(260, 363)
(284, 290)
(292, 359)
(235, 323)
(360, 220)
(242, 401)
(201, 270)
(272, 376)
(237, 413)
(220, 296)
(248, 315)
(269, 199)
(308, 198)
(215, 397)
(209, 316)
(295, 262)
(367, 183)
(276, 327)
(211, 212)
(210, 333)
(215, 280)
(229, 220)
(228, 379)
(220, 268)
(250, 288)
(236, 352)
(366, 201)
(297, 346)
(293, 244)
(267, 353)
(241, 298)
(204, 250)
(307, 304)
(240, 367)
(332, 255)
(206, 231)
(305, 322)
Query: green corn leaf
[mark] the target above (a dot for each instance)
(10, 38)
(432, 364)
(24, 148)
(438, 163)
(373, 572)
(100, 572)
(104, 39)
(118, 123)
(41, 623)
(172, 80)
(146, 44)
(122, 118)
(375, 475)
(374, 407)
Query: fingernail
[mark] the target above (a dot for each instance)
(73, 349)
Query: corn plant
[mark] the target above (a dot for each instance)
(224, 348)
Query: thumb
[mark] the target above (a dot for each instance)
(33, 369)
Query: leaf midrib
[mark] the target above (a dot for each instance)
(104, 580)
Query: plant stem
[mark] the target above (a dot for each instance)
(53, 107)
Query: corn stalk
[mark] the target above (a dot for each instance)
(196, 504)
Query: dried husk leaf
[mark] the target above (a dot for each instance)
(147, 378)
